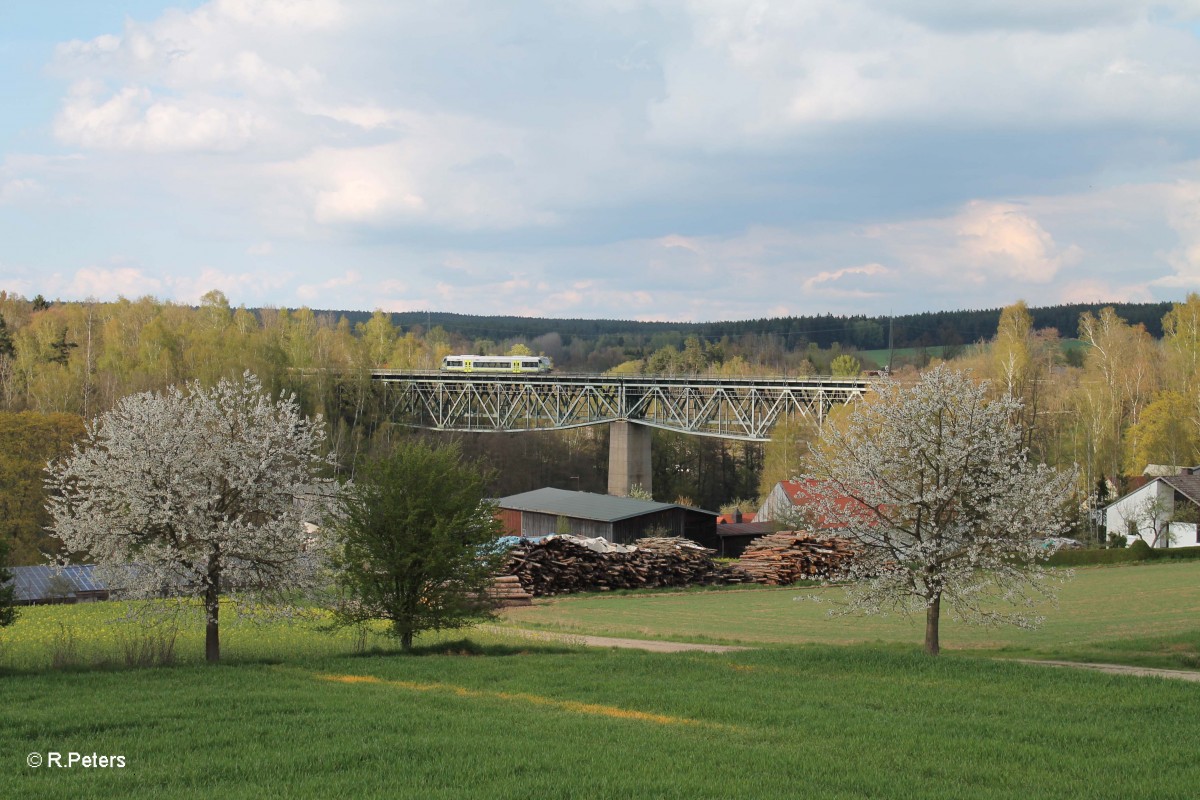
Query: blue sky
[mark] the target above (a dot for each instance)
(671, 159)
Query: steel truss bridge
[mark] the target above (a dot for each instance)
(730, 408)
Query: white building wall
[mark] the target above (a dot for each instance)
(1139, 513)
(1184, 534)
(776, 506)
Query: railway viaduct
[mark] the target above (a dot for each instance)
(729, 408)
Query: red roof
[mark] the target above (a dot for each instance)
(804, 493)
(728, 519)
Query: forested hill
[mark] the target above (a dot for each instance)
(860, 332)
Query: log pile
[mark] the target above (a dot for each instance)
(506, 591)
(782, 558)
(562, 564)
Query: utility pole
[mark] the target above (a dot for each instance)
(891, 342)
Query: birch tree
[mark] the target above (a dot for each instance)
(943, 503)
(194, 492)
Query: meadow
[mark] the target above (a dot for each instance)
(821, 712)
(1143, 614)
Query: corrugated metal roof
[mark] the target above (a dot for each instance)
(585, 505)
(48, 582)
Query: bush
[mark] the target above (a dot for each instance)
(1078, 558)
(1126, 555)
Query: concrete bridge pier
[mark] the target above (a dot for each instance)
(628, 457)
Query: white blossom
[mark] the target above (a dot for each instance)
(933, 486)
(195, 491)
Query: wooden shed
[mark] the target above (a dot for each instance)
(619, 519)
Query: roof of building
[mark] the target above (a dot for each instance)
(1186, 483)
(48, 582)
(746, 529)
(586, 505)
(732, 519)
(805, 493)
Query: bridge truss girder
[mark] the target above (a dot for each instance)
(729, 408)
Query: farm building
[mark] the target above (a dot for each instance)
(1162, 512)
(618, 519)
(48, 584)
(792, 504)
(733, 537)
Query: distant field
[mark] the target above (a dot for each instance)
(1147, 614)
(938, 351)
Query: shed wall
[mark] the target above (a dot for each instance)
(536, 524)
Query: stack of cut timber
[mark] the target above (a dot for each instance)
(675, 561)
(778, 559)
(560, 564)
(506, 591)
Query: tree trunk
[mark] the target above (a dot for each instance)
(403, 633)
(932, 617)
(212, 639)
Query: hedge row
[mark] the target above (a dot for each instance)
(1120, 555)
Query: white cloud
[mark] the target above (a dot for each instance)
(819, 281)
(985, 242)
(133, 119)
(1099, 291)
(768, 73)
(16, 190)
(110, 283)
(254, 286)
(649, 158)
(322, 291)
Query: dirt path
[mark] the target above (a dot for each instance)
(654, 646)
(1120, 669)
(608, 641)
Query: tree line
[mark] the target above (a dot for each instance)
(1112, 389)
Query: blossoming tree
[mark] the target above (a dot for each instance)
(932, 484)
(195, 492)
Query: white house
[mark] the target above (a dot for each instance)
(1163, 512)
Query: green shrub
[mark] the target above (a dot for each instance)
(1109, 555)
(1138, 551)
(1175, 553)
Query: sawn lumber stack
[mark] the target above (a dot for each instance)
(778, 559)
(506, 591)
(560, 564)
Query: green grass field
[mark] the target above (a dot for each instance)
(293, 712)
(1145, 614)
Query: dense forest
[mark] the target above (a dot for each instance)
(930, 329)
(1120, 394)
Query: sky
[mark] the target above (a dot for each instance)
(630, 159)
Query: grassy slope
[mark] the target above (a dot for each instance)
(1144, 614)
(817, 722)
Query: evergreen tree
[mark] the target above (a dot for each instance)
(8, 608)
